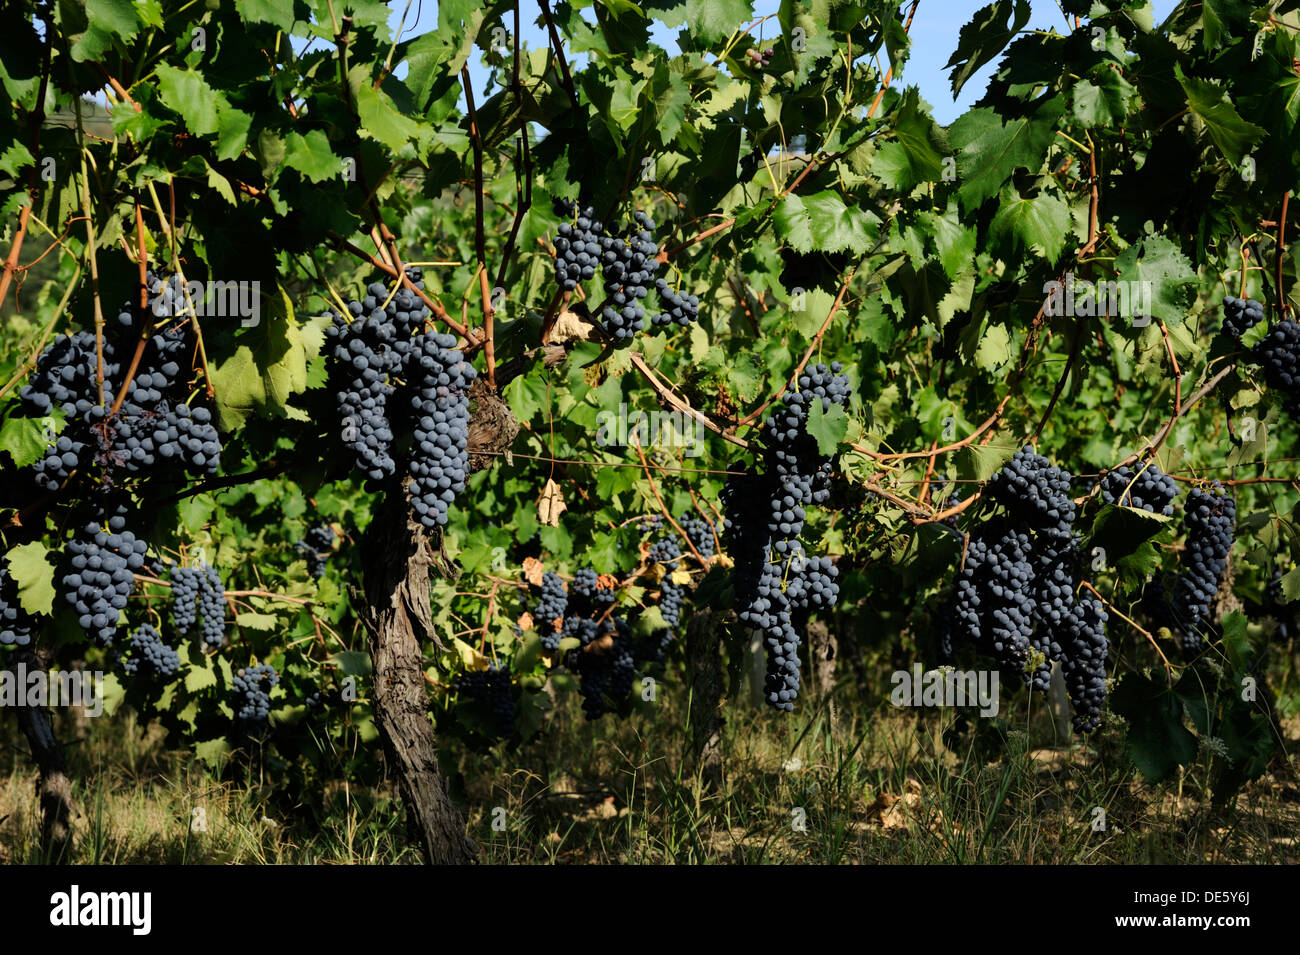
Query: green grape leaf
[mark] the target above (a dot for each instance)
(529, 653)
(31, 570)
(104, 20)
(213, 752)
(27, 439)
(1105, 102)
(232, 130)
(711, 20)
(957, 299)
(827, 426)
(278, 13)
(312, 155)
(526, 396)
(1141, 564)
(1283, 103)
(381, 120)
(990, 149)
(200, 675)
(916, 155)
(1233, 135)
(994, 349)
(1158, 742)
(355, 663)
(20, 59)
(1248, 738)
(1118, 530)
(823, 222)
(983, 37)
(1162, 273)
(14, 157)
(257, 621)
(1235, 641)
(671, 97)
(187, 93)
(1040, 224)
(955, 242)
(1212, 25)
(1290, 584)
(111, 694)
(981, 462)
(267, 367)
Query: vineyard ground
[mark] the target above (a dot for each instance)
(867, 786)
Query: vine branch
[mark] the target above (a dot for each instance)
(1282, 306)
(566, 78)
(480, 239)
(636, 443)
(668, 397)
(807, 355)
(37, 119)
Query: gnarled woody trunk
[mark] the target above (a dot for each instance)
(397, 562)
(53, 788)
(707, 687)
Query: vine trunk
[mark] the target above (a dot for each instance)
(398, 559)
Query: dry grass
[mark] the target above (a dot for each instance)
(812, 788)
(140, 803)
(849, 790)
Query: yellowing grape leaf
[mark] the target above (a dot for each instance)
(470, 658)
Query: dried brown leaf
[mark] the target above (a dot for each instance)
(533, 571)
(570, 326)
(551, 505)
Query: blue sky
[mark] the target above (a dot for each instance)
(934, 37)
